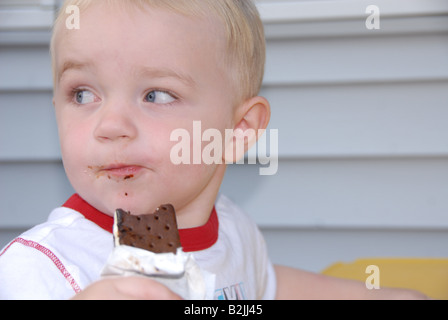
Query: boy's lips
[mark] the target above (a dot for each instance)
(122, 170)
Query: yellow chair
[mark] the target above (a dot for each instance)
(429, 276)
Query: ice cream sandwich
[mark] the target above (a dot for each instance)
(156, 232)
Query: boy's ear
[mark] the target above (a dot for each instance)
(251, 120)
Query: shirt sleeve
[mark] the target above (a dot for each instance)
(30, 271)
(270, 289)
(266, 274)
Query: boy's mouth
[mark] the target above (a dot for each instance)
(120, 171)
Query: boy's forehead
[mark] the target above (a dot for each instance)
(99, 16)
(114, 31)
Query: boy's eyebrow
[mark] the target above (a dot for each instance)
(146, 71)
(167, 73)
(71, 64)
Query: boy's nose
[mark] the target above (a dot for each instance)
(114, 124)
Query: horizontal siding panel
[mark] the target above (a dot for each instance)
(400, 119)
(28, 3)
(357, 59)
(353, 193)
(6, 235)
(25, 38)
(284, 11)
(27, 67)
(16, 19)
(26, 14)
(29, 191)
(356, 28)
(28, 130)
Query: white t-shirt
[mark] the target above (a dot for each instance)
(60, 257)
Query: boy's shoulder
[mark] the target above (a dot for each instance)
(58, 251)
(62, 221)
(64, 231)
(59, 218)
(235, 222)
(228, 209)
(34, 257)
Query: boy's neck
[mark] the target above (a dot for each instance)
(192, 239)
(197, 212)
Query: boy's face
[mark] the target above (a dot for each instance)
(125, 80)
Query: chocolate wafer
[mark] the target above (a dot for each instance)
(156, 232)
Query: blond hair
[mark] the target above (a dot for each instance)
(244, 31)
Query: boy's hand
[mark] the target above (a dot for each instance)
(126, 288)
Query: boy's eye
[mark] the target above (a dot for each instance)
(159, 97)
(84, 97)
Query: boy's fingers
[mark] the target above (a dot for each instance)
(127, 288)
(144, 288)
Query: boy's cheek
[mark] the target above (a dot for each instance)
(74, 148)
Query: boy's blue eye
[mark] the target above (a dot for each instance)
(84, 97)
(159, 97)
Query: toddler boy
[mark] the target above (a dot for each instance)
(133, 73)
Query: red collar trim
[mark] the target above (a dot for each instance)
(193, 239)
